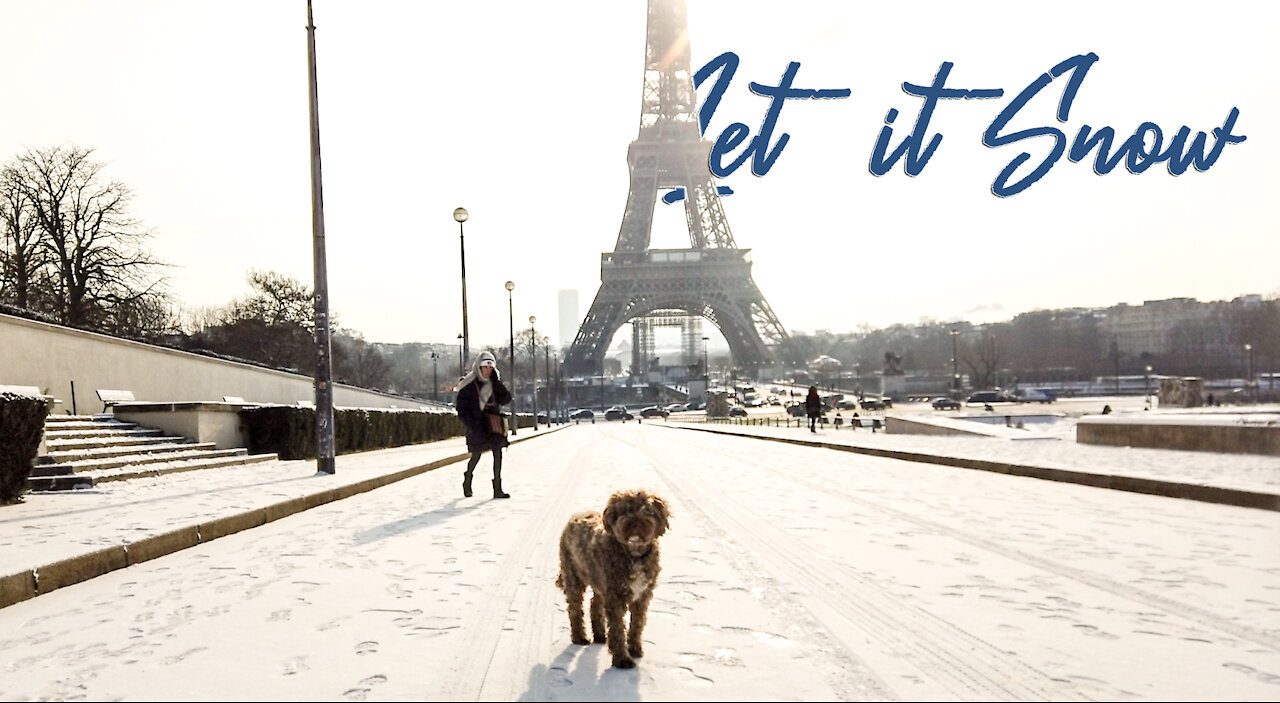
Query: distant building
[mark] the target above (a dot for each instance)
(569, 320)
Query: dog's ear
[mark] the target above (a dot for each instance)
(608, 517)
(661, 506)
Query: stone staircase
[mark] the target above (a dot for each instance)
(84, 450)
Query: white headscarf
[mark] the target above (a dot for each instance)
(486, 389)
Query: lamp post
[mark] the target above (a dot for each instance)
(462, 370)
(706, 373)
(435, 378)
(1248, 379)
(955, 363)
(533, 364)
(460, 214)
(1115, 353)
(551, 393)
(1146, 381)
(324, 361)
(511, 330)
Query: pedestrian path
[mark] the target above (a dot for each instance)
(56, 539)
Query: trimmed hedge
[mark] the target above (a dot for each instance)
(21, 425)
(290, 431)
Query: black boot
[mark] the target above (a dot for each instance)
(466, 484)
(497, 489)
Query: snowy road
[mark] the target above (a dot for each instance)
(789, 573)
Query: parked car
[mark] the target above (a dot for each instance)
(654, 411)
(618, 412)
(796, 410)
(847, 404)
(737, 411)
(992, 397)
(583, 414)
(882, 403)
(1032, 395)
(946, 404)
(677, 407)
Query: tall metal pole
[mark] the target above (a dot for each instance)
(462, 369)
(460, 214)
(323, 381)
(533, 365)
(435, 380)
(551, 389)
(955, 363)
(511, 330)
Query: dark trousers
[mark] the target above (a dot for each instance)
(497, 462)
(813, 422)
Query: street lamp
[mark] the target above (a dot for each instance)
(706, 373)
(551, 392)
(1248, 381)
(955, 363)
(435, 377)
(1147, 383)
(462, 370)
(460, 214)
(511, 330)
(533, 364)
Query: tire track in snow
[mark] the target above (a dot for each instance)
(952, 662)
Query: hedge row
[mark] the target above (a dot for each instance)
(290, 431)
(21, 425)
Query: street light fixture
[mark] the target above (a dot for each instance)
(706, 373)
(435, 377)
(511, 330)
(462, 370)
(1248, 381)
(460, 214)
(533, 364)
(1147, 383)
(955, 363)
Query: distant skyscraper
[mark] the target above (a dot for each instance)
(569, 319)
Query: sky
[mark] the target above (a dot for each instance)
(522, 114)
(858, 578)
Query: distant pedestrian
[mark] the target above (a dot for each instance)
(813, 408)
(481, 395)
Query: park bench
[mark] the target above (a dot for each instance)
(109, 397)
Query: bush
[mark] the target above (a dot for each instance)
(21, 425)
(290, 431)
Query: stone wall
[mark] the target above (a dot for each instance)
(52, 357)
(1208, 437)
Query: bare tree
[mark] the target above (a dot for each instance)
(359, 363)
(22, 258)
(94, 247)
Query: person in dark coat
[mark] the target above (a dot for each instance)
(813, 408)
(481, 395)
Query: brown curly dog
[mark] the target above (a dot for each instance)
(616, 554)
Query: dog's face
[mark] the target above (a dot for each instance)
(636, 519)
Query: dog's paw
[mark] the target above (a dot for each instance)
(599, 639)
(624, 663)
(636, 652)
(581, 640)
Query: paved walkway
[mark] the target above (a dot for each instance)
(57, 539)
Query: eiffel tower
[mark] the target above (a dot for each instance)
(712, 278)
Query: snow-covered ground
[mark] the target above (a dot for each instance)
(789, 573)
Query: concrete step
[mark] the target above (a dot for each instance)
(66, 445)
(90, 478)
(51, 426)
(98, 464)
(91, 432)
(105, 452)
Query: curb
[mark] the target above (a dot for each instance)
(1169, 489)
(24, 585)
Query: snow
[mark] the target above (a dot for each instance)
(789, 573)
